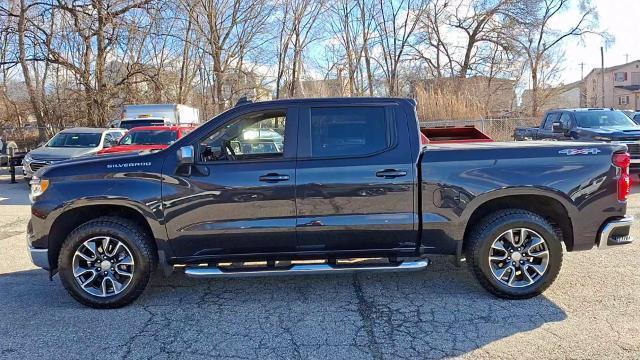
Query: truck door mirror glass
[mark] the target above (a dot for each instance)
(185, 155)
(557, 127)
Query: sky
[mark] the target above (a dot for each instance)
(620, 19)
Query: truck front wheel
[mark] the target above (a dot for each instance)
(106, 262)
(514, 254)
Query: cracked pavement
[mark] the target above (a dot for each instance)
(591, 311)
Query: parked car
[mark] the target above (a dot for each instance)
(148, 138)
(351, 180)
(599, 124)
(67, 144)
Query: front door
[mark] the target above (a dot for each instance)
(239, 197)
(354, 180)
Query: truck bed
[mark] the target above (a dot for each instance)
(462, 134)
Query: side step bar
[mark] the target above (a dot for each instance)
(304, 269)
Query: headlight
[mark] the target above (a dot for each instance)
(27, 158)
(601, 138)
(38, 187)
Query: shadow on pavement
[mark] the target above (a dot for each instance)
(432, 314)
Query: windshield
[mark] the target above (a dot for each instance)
(72, 140)
(130, 124)
(602, 118)
(149, 137)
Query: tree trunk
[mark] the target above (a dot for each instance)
(534, 91)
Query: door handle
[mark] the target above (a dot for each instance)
(273, 177)
(391, 173)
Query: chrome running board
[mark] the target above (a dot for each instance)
(304, 269)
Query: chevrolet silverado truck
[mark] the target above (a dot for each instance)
(349, 188)
(588, 124)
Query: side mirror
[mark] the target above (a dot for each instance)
(557, 127)
(186, 155)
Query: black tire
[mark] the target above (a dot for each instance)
(490, 228)
(129, 233)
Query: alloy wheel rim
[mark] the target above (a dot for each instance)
(519, 257)
(103, 266)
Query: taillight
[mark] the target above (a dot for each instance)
(423, 139)
(622, 160)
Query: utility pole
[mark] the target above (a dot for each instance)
(602, 72)
(626, 56)
(581, 70)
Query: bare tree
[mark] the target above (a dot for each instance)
(396, 22)
(538, 40)
(230, 29)
(305, 13)
(34, 98)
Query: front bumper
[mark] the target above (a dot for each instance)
(39, 257)
(616, 232)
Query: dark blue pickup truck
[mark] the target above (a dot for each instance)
(348, 186)
(588, 124)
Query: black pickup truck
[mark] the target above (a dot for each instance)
(587, 124)
(348, 186)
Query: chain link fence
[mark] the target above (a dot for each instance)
(497, 129)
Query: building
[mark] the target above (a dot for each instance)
(621, 87)
(563, 96)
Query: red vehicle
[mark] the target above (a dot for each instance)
(148, 138)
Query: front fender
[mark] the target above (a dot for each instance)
(69, 202)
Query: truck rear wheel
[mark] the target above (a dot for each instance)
(106, 262)
(514, 254)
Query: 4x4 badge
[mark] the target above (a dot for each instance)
(587, 151)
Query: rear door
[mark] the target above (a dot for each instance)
(354, 187)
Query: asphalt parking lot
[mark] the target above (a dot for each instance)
(592, 311)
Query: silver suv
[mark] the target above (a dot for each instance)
(68, 144)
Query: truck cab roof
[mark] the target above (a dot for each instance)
(582, 109)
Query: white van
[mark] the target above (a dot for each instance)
(157, 114)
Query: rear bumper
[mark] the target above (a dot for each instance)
(616, 232)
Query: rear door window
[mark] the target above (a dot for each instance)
(349, 131)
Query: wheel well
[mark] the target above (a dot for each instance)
(547, 207)
(71, 219)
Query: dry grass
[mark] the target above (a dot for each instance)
(447, 103)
